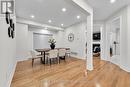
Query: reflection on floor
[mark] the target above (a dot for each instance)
(70, 74)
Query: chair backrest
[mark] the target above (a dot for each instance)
(33, 53)
(68, 50)
(62, 52)
(53, 53)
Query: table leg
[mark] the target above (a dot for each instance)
(44, 58)
(41, 57)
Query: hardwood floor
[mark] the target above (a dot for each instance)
(70, 74)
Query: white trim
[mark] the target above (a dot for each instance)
(11, 75)
(78, 57)
(84, 5)
(125, 68)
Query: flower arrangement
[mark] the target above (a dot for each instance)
(52, 41)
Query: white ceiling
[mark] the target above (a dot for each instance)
(43, 10)
(103, 8)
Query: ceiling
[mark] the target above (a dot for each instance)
(45, 10)
(103, 8)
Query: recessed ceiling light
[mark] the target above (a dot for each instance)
(49, 21)
(62, 25)
(64, 9)
(78, 17)
(112, 1)
(32, 16)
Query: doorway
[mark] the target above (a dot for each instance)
(115, 41)
(97, 41)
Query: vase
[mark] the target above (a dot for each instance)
(52, 46)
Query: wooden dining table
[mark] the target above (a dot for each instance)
(44, 50)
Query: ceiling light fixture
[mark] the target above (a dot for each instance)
(78, 17)
(32, 16)
(62, 25)
(64, 9)
(112, 1)
(49, 21)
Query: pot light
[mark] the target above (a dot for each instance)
(112, 1)
(62, 25)
(78, 17)
(49, 21)
(64, 9)
(32, 16)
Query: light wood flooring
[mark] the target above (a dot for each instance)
(70, 74)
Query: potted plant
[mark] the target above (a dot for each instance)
(52, 43)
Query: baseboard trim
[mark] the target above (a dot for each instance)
(125, 68)
(11, 75)
(21, 59)
(78, 57)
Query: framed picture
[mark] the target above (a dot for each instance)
(71, 37)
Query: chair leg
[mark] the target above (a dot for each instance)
(64, 59)
(47, 60)
(32, 62)
(56, 60)
(59, 60)
(53, 60)
(50, 62)
(41, 59)
(69, 55)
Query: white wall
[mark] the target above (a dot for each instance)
(30, 40)
(128, 39)
(22, 47)
(24, 40)
(78, 45)
(59, 37)
(123, 13)
(7, 53)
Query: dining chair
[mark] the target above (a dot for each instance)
(34, 56)
(68, 52)
(62, 54)
(53, 54)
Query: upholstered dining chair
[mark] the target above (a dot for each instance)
(34, 56)
(62, 54)
(53, 54)
(68, 52)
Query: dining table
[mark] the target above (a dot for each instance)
(45, 50)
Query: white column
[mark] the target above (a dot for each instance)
(89, 42)
(89, 11)
(103, 43)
